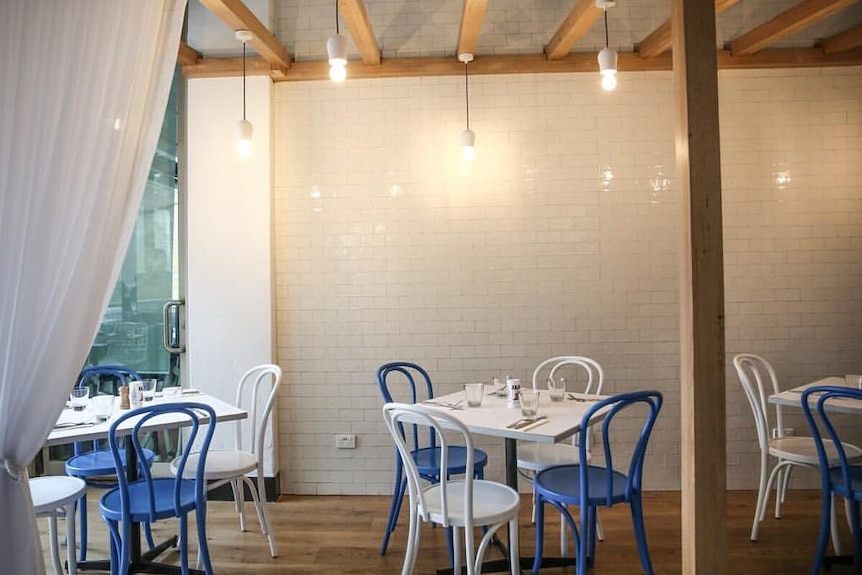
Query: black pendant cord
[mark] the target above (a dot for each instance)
(337, 31)
(243, 80)
(467, 93)
(607, 42)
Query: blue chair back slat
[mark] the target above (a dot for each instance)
(192, 410)
(410, 373)
(117, 374)
(615, 405)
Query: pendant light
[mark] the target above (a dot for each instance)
(244, 127)
(607, 56)
(468, 137)
(336, 48)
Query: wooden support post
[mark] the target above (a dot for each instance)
(701, 289)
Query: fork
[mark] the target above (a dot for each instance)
(456, 405)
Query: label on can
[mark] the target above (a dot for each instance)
(513, 387)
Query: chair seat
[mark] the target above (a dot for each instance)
(52, 492)
(801, 449)
(220, 464)
(538, 456)
(855, 491)
(97, 463)
(139, 511)
(563, 483)
(492, 502)
(428, 460)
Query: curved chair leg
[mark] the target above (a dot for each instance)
(54, 544)
(833, 529)
(539, 520)
(203, 547)
(238, 499)
(148, 534)
(823, 534)
(763, 498)
(514, 544)
(70, 539)
(456, 563)
(412, 542)
(82, 529)
(257, 495)
(640, 535)
(395, 508)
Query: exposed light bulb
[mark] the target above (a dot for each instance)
(243, 141)
(608, 68)
(337, 73)
(468, 145)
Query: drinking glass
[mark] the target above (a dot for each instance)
(557, 388)
(148, 386)
(474, 393)
(103, 405)
(529, 403)
(79, 398)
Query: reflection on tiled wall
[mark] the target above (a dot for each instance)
(561, 238)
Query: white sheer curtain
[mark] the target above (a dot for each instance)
(83, 88)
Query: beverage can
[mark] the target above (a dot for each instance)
(136, 394)
(513, 388)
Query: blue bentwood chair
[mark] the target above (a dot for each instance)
(424, 449)
(95, 465)
(843, 479)
(148, 499)
(591, 485)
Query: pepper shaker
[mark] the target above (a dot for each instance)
(124, 397)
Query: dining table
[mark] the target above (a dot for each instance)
(497, 417)
(74, 426)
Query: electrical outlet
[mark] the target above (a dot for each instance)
(345, 441)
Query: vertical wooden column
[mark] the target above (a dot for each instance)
(701, 288)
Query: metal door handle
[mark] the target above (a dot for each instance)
(172, 323)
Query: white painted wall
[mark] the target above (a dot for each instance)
(229, 299)
(386, 250)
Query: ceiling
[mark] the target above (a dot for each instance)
(389, 38)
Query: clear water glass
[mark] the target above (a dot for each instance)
(529, 403)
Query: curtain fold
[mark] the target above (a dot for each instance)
(83, 89)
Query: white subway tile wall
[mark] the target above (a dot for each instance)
(561, 238)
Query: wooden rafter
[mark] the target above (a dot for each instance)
(578, 62)
(187, 55)
(236, 16)
(796, 18)
(582, 17)
(843, 41)
(660, 40)
(471, 25)
(356, 17)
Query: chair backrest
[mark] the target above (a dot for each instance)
(819, 419)
(95, 376)
(257, 383)
(759, 381)
(396, 415)
(607, 410)
(414, 386)
(550, 368)
(194, 412)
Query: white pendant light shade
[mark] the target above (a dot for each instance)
(468, 143)
(243, 138)
(336, 48)
(608, 68)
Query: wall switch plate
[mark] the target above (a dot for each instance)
(345, 441)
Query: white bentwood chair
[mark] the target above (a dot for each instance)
(223, 466)
(463, 503)
(53, 497)
(534, 457)
(759, 382)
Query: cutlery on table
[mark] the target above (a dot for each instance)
(574, 397)
(525, 423)
(71, 424)
(456, 405)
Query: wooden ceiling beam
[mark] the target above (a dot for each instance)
(843, 41)
(236, 16)
(582, 17)
(578, 62)
(356, 17)
(187, 55)
(659, 40)
(471, 25)
(788, 22)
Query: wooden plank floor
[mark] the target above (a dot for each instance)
(341, 535)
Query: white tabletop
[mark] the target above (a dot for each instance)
(493, 417)
(793, 397)
(224, 412)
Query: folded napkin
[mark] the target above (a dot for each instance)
(71, 418)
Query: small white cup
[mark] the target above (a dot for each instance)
(103, 405)
(474, 393)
